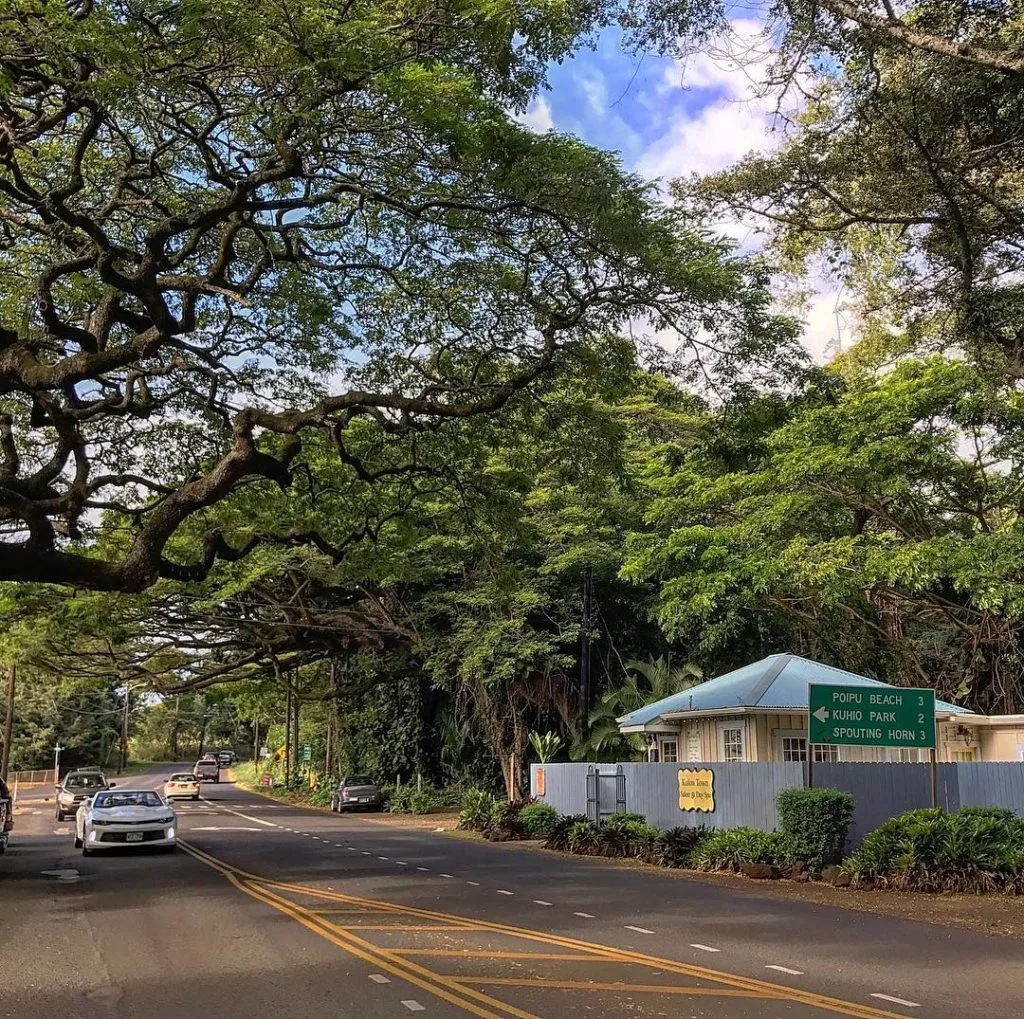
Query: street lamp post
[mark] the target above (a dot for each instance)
(57, 748)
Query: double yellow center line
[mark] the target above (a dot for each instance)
(456, 991)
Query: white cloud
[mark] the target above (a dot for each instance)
(538, 116)
(734, 118)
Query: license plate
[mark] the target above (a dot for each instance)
(363, 799)
(133, 836)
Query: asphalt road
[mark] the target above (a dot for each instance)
(268, 910)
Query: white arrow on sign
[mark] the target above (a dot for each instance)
(821, 715)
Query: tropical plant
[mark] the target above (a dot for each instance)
(545, 745)
(730, 848)
(675, 846)
(583, 837)
(479, 809)
(648, 681)
(558, 835)
(972, 850)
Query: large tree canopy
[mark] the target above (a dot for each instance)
(228, 227)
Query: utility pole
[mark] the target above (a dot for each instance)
(588, 583)
(12, 675)
(56, 762)
(287, 735)
(124, 728)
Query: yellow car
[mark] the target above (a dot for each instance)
(182, 786)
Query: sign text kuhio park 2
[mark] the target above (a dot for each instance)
(871, 717)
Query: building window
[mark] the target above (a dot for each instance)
(732, 743)
(669, 751)
(794, 748)
(963, 755)
(904, 755)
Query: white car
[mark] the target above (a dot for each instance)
(115, 818)
(183, 785)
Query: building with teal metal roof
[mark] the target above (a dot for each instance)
(759, 713)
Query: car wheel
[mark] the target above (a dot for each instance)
(59, 815)
(195, 799)
(85, 850)
(78, 842)
(217, 779)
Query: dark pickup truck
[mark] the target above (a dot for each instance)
(207, 771)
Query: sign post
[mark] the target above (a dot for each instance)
(869, 716)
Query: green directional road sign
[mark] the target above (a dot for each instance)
(307, 752)
(870, 716)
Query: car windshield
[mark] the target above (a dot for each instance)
(139, 799)
(358, 780)
(85, 782)
(183, 778)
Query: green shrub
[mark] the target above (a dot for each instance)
(583, 837)
(400, 799)
(479, 809)
(558, 836)
(818, 823)
(673, 848)
(730, 848)
(973, 850)
(537, 819)
(624, 819)
(422, 800)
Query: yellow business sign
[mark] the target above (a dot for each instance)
(696, 789)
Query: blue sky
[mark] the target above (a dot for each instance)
(669, 119)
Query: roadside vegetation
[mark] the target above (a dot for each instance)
(365, 419)
(975, 850)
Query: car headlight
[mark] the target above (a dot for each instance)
(170, 833)
(92, 836)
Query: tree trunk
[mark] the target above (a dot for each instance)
(12, 675)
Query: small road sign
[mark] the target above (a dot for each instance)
(307, 752)
(869, 716)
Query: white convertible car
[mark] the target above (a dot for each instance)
(116, 818)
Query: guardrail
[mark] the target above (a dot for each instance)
(24, 778)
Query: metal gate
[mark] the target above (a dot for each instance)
(606, 792)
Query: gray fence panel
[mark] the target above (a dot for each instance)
(992, 784)
(879, 790)
(745, 793)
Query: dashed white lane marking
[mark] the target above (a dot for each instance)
(365, 853)
(897, 1001)
(786, 969)
(381, 857)
(401, 863)
(353, 849)
(317, 837)
(541, 902)
(238, 813)
(446, 875)
(379, 978)
(505, 891)
(639, 930)
(423, 868)
(338, 845)
(475, 884)
(586, 916)
(704, 948)
(413, 1006)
